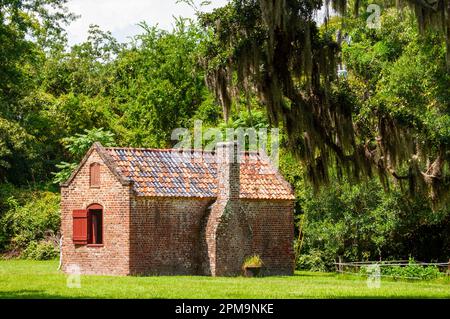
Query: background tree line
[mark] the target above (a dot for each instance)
(56, 100)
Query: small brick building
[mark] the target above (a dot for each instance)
(128, 211)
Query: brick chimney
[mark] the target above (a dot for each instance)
(228, 170)
(226, 229)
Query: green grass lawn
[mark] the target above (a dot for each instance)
(41, 279)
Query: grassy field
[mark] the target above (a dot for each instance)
(33, 279)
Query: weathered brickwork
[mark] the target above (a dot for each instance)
(225, 235)
(167, 236)
(161, 235)
(272, 232)
(113, 256)
(177, 236)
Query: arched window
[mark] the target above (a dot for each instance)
(95, 225)
(88, 225)
(95, 175)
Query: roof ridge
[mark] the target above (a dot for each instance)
(173, 150)
(145, 149)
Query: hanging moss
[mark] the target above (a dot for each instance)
(277, 52)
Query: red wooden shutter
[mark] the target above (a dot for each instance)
(95, 174)
(80, 227)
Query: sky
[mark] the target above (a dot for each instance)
(122, 16)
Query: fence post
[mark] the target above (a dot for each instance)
(340, 264)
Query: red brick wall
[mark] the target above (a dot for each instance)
(228, 171)
(238, 230)
(113, 257)
(272, 232)
(168, 236)
(181, 236)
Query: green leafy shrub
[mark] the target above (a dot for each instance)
(352, 221)
(65, 170)
(32, 220)
(42, 250)
(313, 261)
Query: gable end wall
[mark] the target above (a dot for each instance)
(113, 257)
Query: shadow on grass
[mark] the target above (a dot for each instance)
(313, 274)
(31, 294)
(41, 294)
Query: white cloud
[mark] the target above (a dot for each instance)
(122, 16)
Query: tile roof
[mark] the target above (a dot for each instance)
(170, 173)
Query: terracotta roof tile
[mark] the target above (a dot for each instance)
(170, 173)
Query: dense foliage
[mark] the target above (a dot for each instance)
(362, 222)
(77, 146)
(139, 91)
(397, 70)
(29, 222)
(275, 50)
